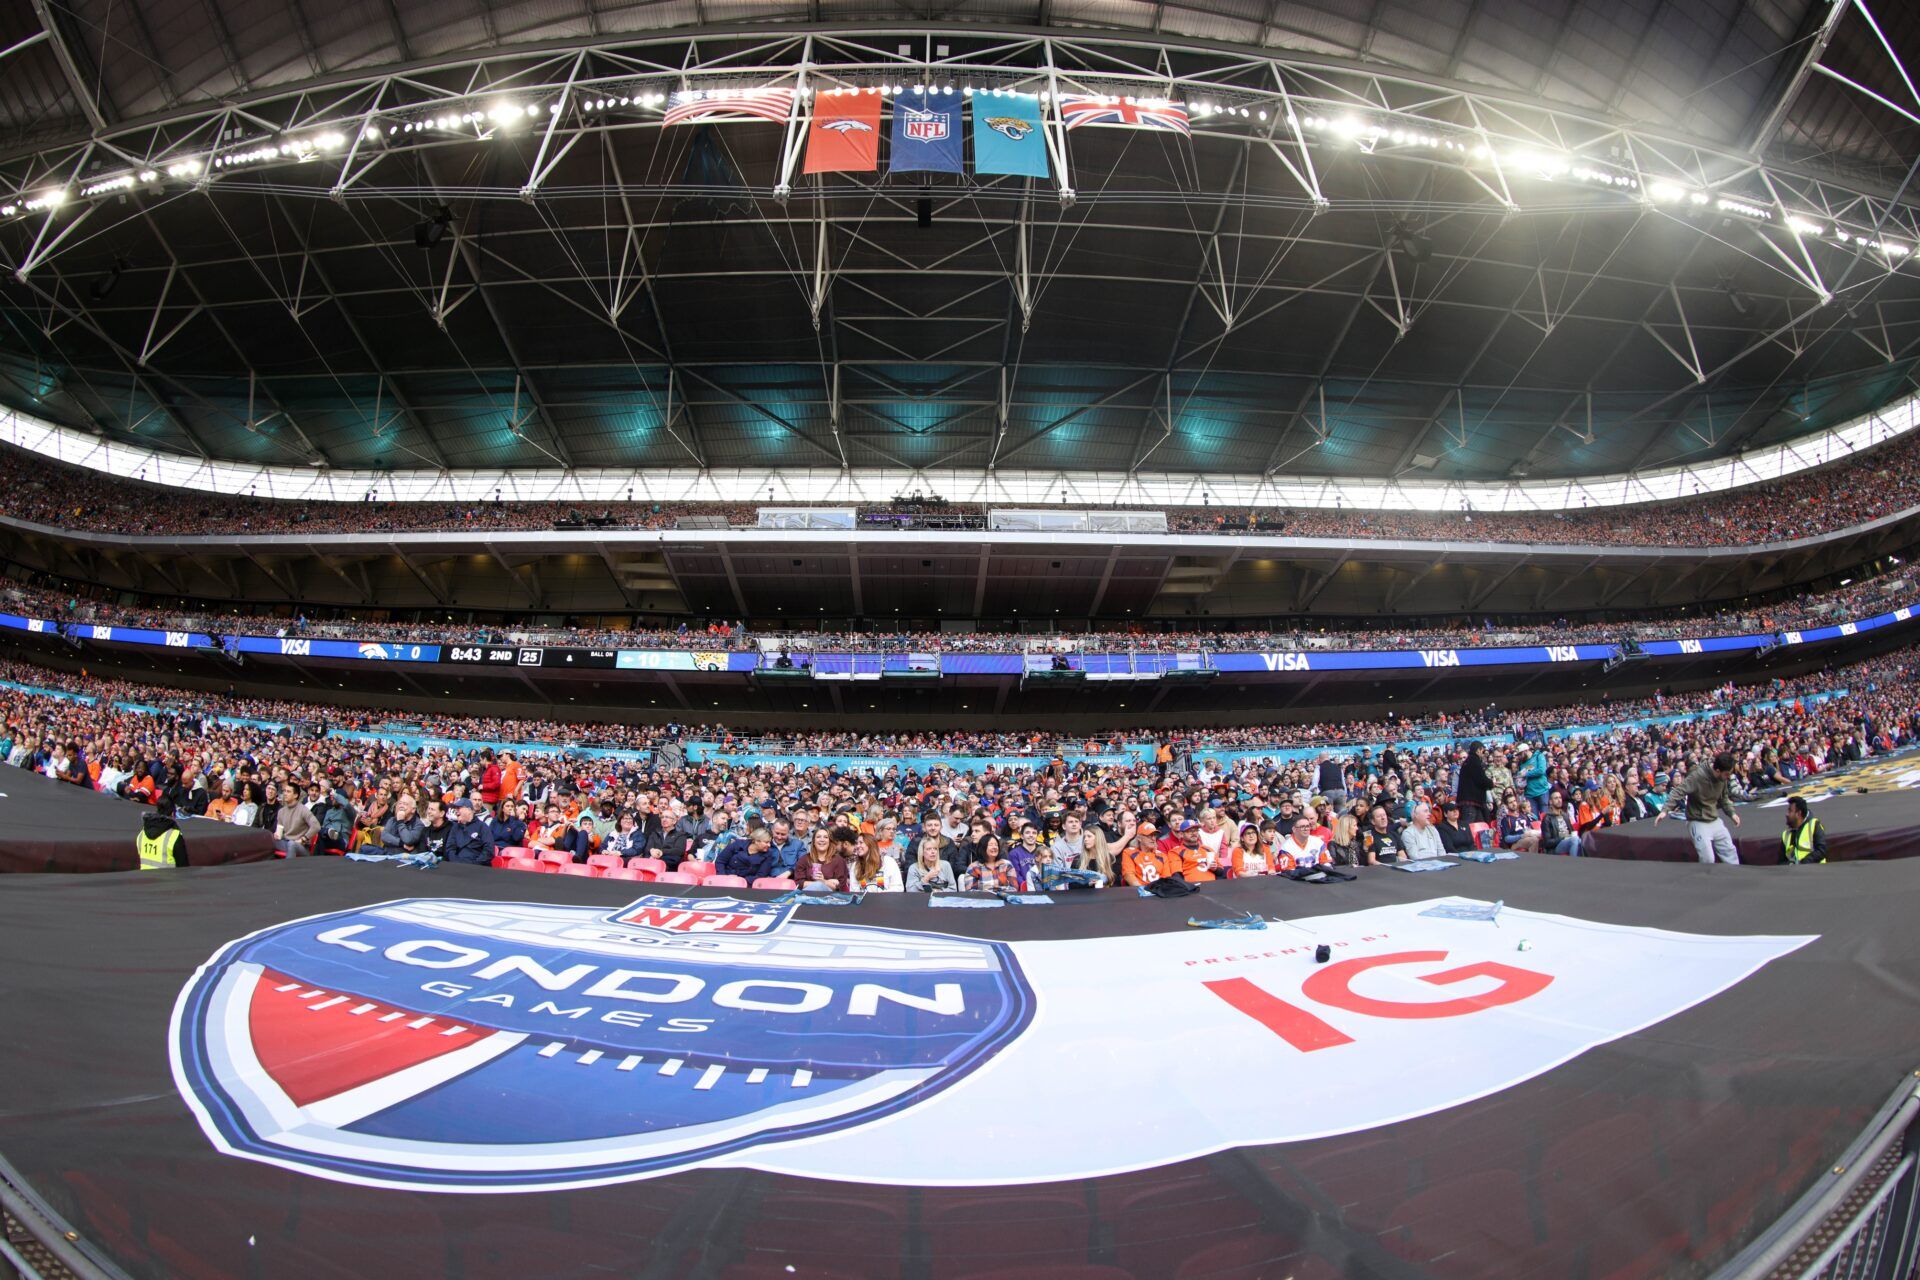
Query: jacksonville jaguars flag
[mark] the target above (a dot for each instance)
(1006, 135)
(926, 133)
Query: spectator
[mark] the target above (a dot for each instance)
(750, 860)
(1556, 827)
(293, 828)
(1380, 840)
(1455, 837)
(872, 871)
(825, 863)
(403, 832)
(1420, 839)
(929, 871)
(1706, 796)
(468, 839)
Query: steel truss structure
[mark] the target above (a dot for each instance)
(1584, 295)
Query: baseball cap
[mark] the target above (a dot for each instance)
(1185, 824)
(1145, 829)
(463, 802)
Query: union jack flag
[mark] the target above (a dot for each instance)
(720, 105)
(1132, 113)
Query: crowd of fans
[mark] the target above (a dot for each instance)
(1860, 599)
(1052, 824)
(1854, 491)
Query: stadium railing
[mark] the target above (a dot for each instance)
(1861, 1219)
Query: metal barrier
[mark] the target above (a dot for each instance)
(51, 1249)
(1861, 1220)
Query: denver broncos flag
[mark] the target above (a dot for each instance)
(1006, 135)
(844, 136)
(926, 134)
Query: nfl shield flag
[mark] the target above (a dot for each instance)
(1006, 135)
(844, 136)
(926, 133)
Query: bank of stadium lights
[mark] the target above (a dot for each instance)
(286, 147)
(1809, 229)
(121, 182)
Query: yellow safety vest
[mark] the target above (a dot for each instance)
(156, 852)
(1797, 846)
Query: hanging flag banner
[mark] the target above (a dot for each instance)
(926, 134)
(844, 136)
(1128, 113)
(1006, 135)
(721, 106)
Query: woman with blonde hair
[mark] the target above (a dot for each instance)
(929, 870)
(1345, 845)
(1095, 855)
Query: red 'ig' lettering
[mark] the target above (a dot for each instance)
(1333, 987)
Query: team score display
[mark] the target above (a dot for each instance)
(1332, 987)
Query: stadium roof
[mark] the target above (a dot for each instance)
(1449, 240)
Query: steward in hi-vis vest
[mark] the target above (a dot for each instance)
(160, 845)
(1804, 840)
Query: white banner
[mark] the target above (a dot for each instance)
(1413, 1014)
(475, 1046)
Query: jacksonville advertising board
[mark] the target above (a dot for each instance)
(467, 1046)
(1094, 664)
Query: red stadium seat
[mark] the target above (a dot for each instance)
(554, 855)
(502, 860)
(527, 864)
(578, 869)
(1482, 834)
(697, 869)
(626, 873)
(654, 865)
(775, 882)
(676, 877)
(608, 860)
(514, 851)
(727, 882)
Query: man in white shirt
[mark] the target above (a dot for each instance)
(1421, 839)
(1301, 848)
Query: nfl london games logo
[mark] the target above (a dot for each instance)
(459, 1045)
(924, 126)
(687, 917)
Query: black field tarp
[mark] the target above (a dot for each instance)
(1657, 1148)
(55, 826)
(1875, 825)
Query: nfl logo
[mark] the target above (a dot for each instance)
(451, 1045)
(925, 126)
(687, 917)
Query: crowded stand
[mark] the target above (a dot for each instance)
(1855, 491)
(1863, 598)
(1057, 823)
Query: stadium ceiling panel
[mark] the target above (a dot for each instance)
(1450, 240)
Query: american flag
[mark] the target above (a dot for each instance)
(1133, 113)
(720, 105)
